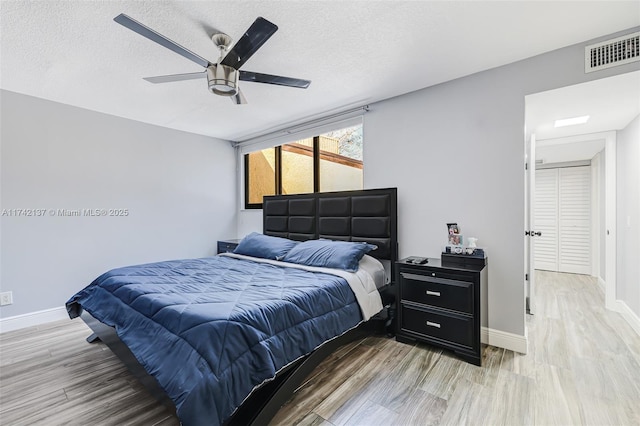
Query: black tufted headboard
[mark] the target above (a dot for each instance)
(369, 215)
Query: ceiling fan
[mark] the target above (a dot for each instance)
(223, 76)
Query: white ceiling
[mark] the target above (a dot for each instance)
(611, 104)
(565, 151)
(355, 52)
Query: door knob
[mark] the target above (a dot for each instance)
(533, 233)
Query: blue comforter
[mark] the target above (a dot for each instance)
(212, 329)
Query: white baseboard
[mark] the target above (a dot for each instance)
(602, 284)
(502, 339)
(628, 315)
(32, 319)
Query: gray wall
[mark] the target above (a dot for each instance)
(178, 188)
(455, 151)
(628, 226)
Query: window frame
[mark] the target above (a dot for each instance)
(278, 172)
(277, 180)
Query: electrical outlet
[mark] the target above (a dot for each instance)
(6, 298)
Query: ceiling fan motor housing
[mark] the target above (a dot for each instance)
(222, 79)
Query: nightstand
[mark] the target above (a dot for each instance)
(226, 246)
(439, 304)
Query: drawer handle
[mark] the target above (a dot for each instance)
(433, 324)
(433, 293)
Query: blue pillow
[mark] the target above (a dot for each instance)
(329, 254)
(264, 246)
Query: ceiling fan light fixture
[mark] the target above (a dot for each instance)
(222, 80)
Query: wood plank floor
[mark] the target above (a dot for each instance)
(583, 368)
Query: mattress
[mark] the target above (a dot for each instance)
(375, 269)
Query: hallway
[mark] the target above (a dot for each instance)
(587, 358)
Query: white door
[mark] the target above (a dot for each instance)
(529, 223)
(546, 218)
(574, 216)
(563, 215)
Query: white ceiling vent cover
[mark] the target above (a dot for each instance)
(611, 53)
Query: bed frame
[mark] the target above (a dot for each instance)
(363, 216)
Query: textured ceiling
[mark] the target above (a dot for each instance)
(355, 52)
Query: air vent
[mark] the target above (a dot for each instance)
(611, 53)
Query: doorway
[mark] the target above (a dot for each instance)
(609, 106)
(564, 214)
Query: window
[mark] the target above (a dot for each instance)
(260, 175)
(323, 163)
(341, 160)
(296, 166)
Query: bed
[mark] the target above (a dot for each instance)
(225, 340)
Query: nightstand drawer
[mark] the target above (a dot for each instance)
(441, 292)
(227, 246)
(450, 328)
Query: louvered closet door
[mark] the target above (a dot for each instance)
(563, 215)
(546, 220)
(574, 216)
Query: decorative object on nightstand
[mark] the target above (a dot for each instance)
(227, 246)
(439, 304)
(454, 237)
(455, 244)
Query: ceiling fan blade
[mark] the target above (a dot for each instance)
(257, 34)
(152, 35)
(175, 77)
(238, 98)
(274, 79)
